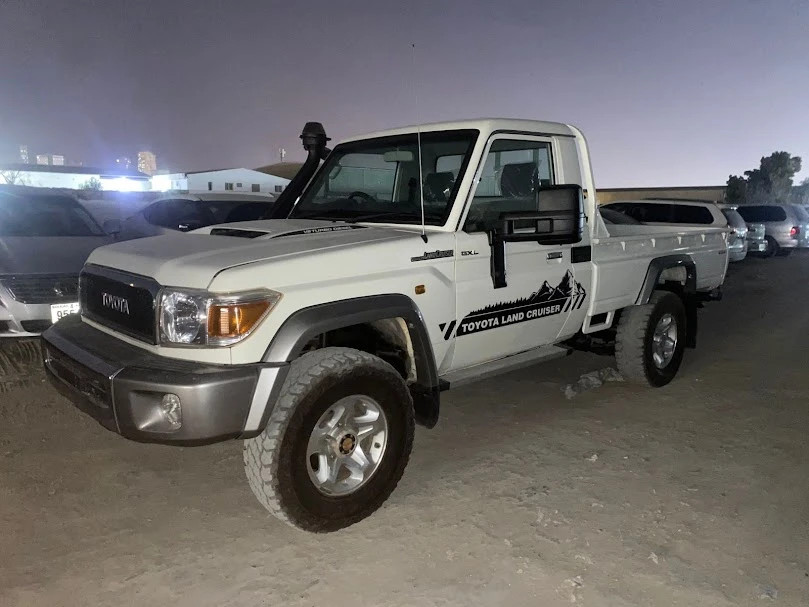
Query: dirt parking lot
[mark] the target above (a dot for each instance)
(695, 494)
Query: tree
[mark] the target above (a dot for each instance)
(736, 192)
(94, 184)
(800, 193)
(13, 177)
(769, 184)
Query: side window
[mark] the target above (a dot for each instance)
(512, 174)
(751, 213)
(239, 184)
(686, 213)
(228, 186)
(775, 214)
(256, 187)
(210, 185)
(156, 213)
(279, 189)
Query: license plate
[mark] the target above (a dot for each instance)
(59, 311)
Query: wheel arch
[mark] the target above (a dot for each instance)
(676, 268)
(377, 311)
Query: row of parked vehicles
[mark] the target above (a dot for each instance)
(46, 238)
(761, 230)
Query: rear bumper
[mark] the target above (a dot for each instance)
(756, 246)
(122, 387)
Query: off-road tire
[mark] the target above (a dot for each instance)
(275, 461)
(633, 340)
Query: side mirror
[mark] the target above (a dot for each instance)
(112, 227)
(558, 220)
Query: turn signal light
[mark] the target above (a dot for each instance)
(232, 321)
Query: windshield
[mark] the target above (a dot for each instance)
(45, 216)
(378, 179)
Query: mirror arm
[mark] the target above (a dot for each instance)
(498, 259)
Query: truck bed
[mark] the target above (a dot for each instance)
(621, 259)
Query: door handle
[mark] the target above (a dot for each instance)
(554, 255)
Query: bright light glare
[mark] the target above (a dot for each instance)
(161, 183)
(122, 184)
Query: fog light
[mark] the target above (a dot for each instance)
(172, 411)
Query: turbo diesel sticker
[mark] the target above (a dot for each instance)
(320, 230)
(548, 301)
(433, 255)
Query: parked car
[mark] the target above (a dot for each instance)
(323, 337)
(756, 239)
(664, 212)
(737, 239)
(186, 212)
(803, 233)
(615, 217)
(44, 242)
(781, 223)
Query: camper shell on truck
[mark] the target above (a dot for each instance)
(400, 264)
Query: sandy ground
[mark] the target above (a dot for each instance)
(695, 494)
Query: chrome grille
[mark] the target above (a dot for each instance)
(42, 288)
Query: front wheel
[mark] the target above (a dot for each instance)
(650, 340)
(337, 441)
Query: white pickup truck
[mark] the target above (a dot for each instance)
(408, 262)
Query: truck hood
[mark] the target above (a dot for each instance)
(193, 259)
(46, 254)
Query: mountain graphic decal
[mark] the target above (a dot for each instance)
(546, 301)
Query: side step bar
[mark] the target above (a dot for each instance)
(461, 377)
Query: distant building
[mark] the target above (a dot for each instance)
(147, 162)
(76, 178)
(52, 159)
(287, 170)
(124, 162)
(707, 192)
(220, 180)
(24, 154)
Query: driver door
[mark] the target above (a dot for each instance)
(541, 289)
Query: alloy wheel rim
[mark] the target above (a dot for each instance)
(347, 445)
(664, 341)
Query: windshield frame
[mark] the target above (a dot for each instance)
(407, 138)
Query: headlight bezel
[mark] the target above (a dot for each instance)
(205, 301)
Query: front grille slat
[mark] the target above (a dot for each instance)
(124, 303)
(42, 288)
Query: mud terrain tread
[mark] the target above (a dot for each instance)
(261, 454)
(630, 339)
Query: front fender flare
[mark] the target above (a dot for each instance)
(305, 324)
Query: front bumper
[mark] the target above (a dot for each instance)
(122, 386)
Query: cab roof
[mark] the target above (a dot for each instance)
(485, 125)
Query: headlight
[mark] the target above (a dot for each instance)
(199, 318)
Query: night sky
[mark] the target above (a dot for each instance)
(668, 93)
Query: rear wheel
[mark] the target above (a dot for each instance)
(650, 340)
(784, 252)
(337, 441)
(772, 247)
